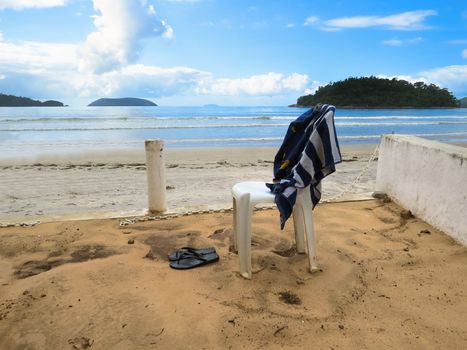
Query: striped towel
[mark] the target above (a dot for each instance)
(308, 153)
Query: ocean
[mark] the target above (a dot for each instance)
(36, 130)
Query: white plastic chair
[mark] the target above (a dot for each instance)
(248, 194)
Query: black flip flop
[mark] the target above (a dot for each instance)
(191, 260)
(180, 253)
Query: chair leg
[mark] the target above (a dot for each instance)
(310, 240)
(242, 214)
(305, 208)
(298, 223)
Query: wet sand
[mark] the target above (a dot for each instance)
(113, 184)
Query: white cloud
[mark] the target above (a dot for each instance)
(34, 57)
(51, 69)
(392, 42)
(415, 40)
(409, 78)
(22, 4)
(313, 87)
(39, 70)
(464, 53)
(208, 23)
(264, 84)
(412, 20)
(121, 26)
(169, 32)
(290, 25)
(457, 42)
(311, 20)
(2, 76)
(453, 78)
(398, 42)
(141, 80)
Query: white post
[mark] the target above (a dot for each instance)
(155, 171)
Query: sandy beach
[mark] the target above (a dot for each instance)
(114, 184)
(385, 279)
(384, 282)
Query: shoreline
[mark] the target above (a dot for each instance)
(137, 156)
(132, 156)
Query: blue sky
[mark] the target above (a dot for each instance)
(228, 52)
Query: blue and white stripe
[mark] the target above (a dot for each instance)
(317, 160)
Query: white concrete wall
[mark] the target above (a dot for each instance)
(429, 178)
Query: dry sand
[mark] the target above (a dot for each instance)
(385, 283)
(98, 184)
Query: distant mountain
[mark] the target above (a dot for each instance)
(373, 92)
(18, 101)
(127, 101)
(463, 102)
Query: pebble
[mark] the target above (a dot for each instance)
(406, 214)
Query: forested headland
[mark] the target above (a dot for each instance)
(18, 101)
(373, 92)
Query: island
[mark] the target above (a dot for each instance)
(373, 92)
(121, 102)
(18, 101)
(463, 103)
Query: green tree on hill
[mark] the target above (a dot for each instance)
(373, 92)
(18, 101)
